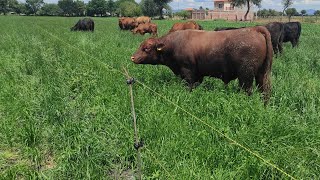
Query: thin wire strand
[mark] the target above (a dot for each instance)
(144, 147)
(182, 109)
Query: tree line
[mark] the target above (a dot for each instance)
(92, 8)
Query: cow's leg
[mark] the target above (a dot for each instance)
(246, 80)
(280, 47)
(293, 43)
(189, 74)
(264, 85)
(275, 48)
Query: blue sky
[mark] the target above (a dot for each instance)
(268, 4)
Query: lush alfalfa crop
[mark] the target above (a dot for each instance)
(65, 114)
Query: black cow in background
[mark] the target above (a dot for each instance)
(276, 30)
(292, 31)
(85, 24)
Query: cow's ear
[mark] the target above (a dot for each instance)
(160, 47)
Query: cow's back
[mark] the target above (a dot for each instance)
(209, 49)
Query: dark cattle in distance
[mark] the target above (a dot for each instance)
(244, 54)
(276, 30)
(150, 28)
(185, 25)
(292, 31)
(86, 24)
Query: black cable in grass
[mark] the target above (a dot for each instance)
(138, 144)
(144, 147)
(182, 109)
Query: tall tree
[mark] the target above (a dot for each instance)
(4, 6)
(98, 7)
(317, 13)
(161, 5)
(149, 7)
(286, 4)
(129, 8)
(303, 12)
(33, 6)
(68, 7)
(239, 3)
(291, 12)
(50, 10)
(111, 7)
(79, 8)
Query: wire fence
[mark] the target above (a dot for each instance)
(109, 67)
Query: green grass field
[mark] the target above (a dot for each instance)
(65, 113)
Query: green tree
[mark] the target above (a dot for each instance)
(291, 12)
(68, 7)
(130, 9)
(111, 7)
(239, 3)
(303, 12)
(50, 10)
(21, 8)
(286, 4)
(183, 14)
(317, 13)
(4, 6)
(33, 6)
(13, 5)
(98, 7)
(161, 4)
(79, 8)
(149, 7)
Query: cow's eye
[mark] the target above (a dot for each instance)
(146, 49)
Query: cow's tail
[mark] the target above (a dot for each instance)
(266, 67)
(299, 29)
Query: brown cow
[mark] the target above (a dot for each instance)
(185, 25)
(150, 28)
(143, 19)
(126, 23)
(244, 54)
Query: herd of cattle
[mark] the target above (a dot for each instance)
(226, 53)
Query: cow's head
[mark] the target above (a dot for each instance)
(149, 52)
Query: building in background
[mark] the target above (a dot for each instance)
(223, 9)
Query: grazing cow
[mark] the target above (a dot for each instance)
(127, 23)
(245, 54)
(85, 24)
(292, 31)
(142, 20)
(185, 25)
(150, 28)
(276, 30)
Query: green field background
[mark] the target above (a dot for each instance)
(65, 109)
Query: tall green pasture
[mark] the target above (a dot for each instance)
(65, 109)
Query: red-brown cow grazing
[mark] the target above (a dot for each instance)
(143, 19)
(185, 25)
(127, 23)
(245, 54)
(150, 28)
